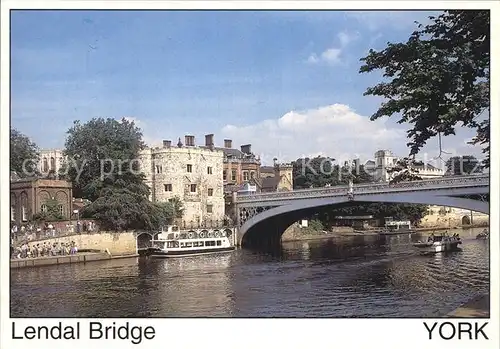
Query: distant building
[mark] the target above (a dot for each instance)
(187, 171)
(50, 160)
(240, 165)
(385, 160)
(282, 180)
(30, 196)
(266, 171)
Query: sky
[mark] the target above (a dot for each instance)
(286, 82)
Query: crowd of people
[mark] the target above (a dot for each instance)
(25, 239)
(33, 231)
(44, 249)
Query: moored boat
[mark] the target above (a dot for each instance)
(182, 244)
(437, 244)
(484, 235)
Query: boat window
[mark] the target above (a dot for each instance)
(189, 244)
(218, 242)
(182, 244)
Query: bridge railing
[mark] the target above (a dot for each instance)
(425, 184)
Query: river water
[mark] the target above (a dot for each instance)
(348, 277)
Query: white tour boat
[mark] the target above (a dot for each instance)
(174, 243)
(438, 244)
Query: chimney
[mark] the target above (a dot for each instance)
(246, 149)
(209, 140)
(167, 144)
(189, 141)
(228, 143)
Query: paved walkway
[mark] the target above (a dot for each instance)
(478, 307)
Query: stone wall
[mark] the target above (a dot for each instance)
(193, 174)
(122, 243)
(446, 217)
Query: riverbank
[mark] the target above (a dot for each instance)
(478, 307)
(296, 233)
(83, 257)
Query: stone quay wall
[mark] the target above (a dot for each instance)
(117, 243)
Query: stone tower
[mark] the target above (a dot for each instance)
(284, 173)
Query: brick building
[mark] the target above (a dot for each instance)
(240, 165)
(29, 197)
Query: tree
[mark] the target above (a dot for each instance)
(51, 213)
(23, 154)
(121, 209)
(103, 153)
(103, 166)
(438, 79)
(321, 171)
(463, 165)
(404, 171)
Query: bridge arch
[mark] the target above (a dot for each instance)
(256, 228)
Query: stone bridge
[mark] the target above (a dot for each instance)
(265, 216)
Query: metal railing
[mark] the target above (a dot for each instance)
(207, 224)
(22, 236)
(425, 184)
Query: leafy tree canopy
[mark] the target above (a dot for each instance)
(104, 168)
(103, 153)
(438, 79)
(23, 154)
(52, 212)
(121, 209)
(322, 171)
(463, 165)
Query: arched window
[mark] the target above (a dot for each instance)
(45, 167)
(24, 206)
(13, 203)
(52, 164)
(43, 208)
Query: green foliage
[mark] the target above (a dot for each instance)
(104, 168)
(102, 153)
(23, 154)
(177, 207)
(316, 225)
(404, 171)
(438, 79)
(463, 165)
(308, 173)
(121, 209)
(52, 212)
(321, 171)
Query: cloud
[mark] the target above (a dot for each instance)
(136, 121)
(333, 130)
(346, 38)
(332, 55)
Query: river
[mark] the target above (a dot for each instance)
(344, 277)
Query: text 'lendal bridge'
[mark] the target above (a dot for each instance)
(264, 217)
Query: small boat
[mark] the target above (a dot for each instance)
(191, 243)
(438, 244)
(396, 232)
(484, 235)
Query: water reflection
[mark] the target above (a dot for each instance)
(357, 277)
